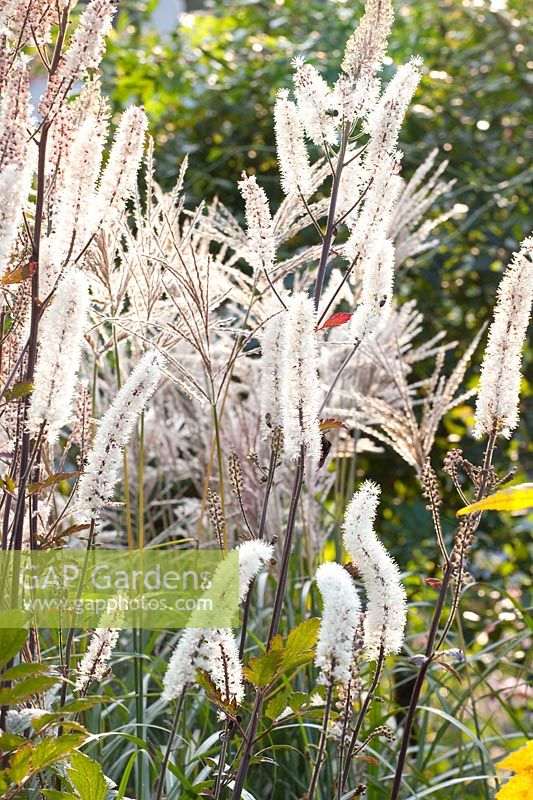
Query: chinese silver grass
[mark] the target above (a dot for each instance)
(260, 229)
(341, 617)
(293, 158)
(375, 300)
(84, 53)
(253, 555)
(96, 485)
(499, 387)
(61, 335)
(385, 616)
(300, 389)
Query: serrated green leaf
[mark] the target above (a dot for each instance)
(51, 750)
(83, 704)
(262, 669)
(300, 644)
(11, 641)
(20, 765)
(23, 671)
(87, 777)
(10, 741)
(52, 794)
(297, 700)
(277, 705)
(25, 689)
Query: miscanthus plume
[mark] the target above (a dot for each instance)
(300, 390)
(61, 336)
(499, 388)
(340, 620)
(105, 457)
(385, 617)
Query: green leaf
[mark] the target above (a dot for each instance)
(83, 704)
(515, 498)
(300, 643)
(262, 669)
(10, 741)
(87, 777)
(23, 671)
(25, 689)
(277, 705)
(11, 641)
(52, 794)
(297, 700)
(20, 389)
(20, 765)
(51, 481)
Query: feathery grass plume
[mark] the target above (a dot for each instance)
(85, 51)
(300, 389)
(367, 45)
(253, 555)
(385, 617)
(259, 225)
(314, 101)
(58, 362)
(16, 165)
(499, 387)
(375, 301)
(95, 662)
(341, 616)
(96, 484)
(293, 158)
(270, 367)
(120, 175)
(212, 650)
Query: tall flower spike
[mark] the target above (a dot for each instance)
(386, 612)
(385, 120)
(340, 620)
(300, 389)
(293, 158)
(84, 53)
(315, 102)
(259, 224)
(377, 269)
(26, 18)
(120, 175)
(367, 45)
(499, 387)
(96, 484)
(270, 368)
(61, 336)
(95, 662)
(253, 556)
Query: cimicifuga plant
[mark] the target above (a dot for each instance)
(206, 378)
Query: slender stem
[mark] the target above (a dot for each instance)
(221, 762)
(172, 735)
(220, 474)
(321, 744)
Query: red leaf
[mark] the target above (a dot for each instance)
(330, 424)
(337, 319)
(435, 583)
(369, 760)
(19, 274)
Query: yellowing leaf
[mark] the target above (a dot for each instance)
(515, 498)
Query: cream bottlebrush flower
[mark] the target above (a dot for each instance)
(84, 53)
(215, 652)
(61, 340)
(270, 367)
(120, 175)
(499, 387)
(314, 100)
(293, 158)
(260, 228)
(26, 18)
(354, 102)
(375, 300)
(253, 555)
(95, 662)
(367, 45)
(341, 617)
(300, 389)
(385, 617)
(385, 120)
(96, 484)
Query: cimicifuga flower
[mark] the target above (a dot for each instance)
(26, 18)
(499, 387)
(385, 120)
(367, 45)
(214, 651)
(375, 300)
(253, 556)
(61, 340)
(341, 617)
(385, 617)
(300, 389)
(315, 103)
(270, 366)
(96, 485)
(84, 53)
(293, 158)
(120, 175)
(260, 228)
(95, 663)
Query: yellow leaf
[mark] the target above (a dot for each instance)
(515, 498)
